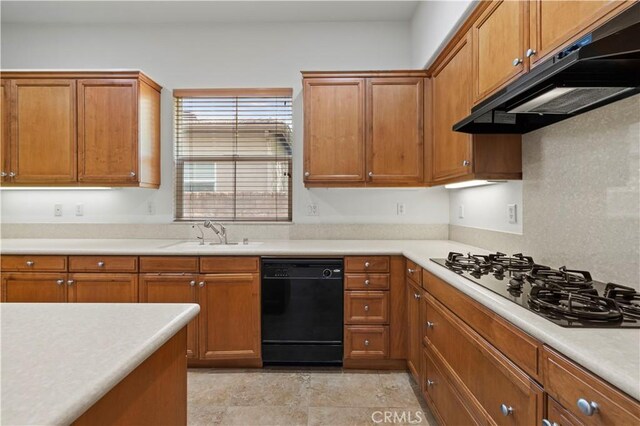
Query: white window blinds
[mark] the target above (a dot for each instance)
(233, 152)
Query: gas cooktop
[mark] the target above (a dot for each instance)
(569, 298)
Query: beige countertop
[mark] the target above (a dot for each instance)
(58, 359)
(612, 354)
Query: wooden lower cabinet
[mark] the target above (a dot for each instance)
(229, 316)
(443, 399)
(558, 415)
(29, 287)
(414, 329)
(366, 342)
(173, 288)
(102, 288)
(485, 377)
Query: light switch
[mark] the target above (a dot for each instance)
(57, 209)
(512, 213)
(461, 211)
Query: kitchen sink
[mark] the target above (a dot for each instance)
(216, 246)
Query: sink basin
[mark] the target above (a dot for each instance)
(207, 246)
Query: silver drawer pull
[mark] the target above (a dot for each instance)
(367, 264)
(201, 284)
(306, 174)
(505, 410)
(546, 422)
(30, 263)
(411, 271)
(132, 174)
(530, 52)
(100, 264)
(60, 282)
(588, 408)
(366, 282)
(366, 308)
(70, 282)
(416, 296)
(192, 283)
(430, 324)
(430, 382)
(366, 342)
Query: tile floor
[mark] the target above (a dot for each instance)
(330, 397)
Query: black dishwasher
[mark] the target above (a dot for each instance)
(302, 304)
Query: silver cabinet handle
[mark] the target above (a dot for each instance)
(466, 163)
(430, 382)
(546, 422)
(30, 263)
(201, 284)
(3, 174)
(12, 174)
(588, 408)
(367, 264)
(100, 264)
(307, 174)
(516, 62)
(366, 282)
(505, 410)
(370, 174)
(366, 342)
(530, 53)
(192, 283)
(70, 282)
(411, 271)
(132, 174)
(416, 296)
(366, 308)
(430, 324)
(60, 282)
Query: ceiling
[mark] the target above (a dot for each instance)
(157, 12)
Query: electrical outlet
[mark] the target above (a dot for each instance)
(461, 211)
(312, 209)
(151, 207)
(512, 213)
(400, 209)
(57, 209)
(79, 209)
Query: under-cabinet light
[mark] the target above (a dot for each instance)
(471, 183)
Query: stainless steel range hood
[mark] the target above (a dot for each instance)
(598, 69)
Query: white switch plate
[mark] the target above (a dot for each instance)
(79, 209)
(512, 213)
(401, 209)
(461, 211)
(312, 209)
(57, 209)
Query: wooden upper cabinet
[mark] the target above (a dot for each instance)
(80, 128)
(555, 24)
(107, 130)
(452, 89)
(4, 130)
(43, 137)
(395, 132)
(334, 135)
(229, 316)
(499, 45)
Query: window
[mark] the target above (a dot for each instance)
(233, 154)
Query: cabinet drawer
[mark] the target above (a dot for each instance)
(168, 264)
(568, 383)
(482, 374)
(224, 264)
(366, 281)
(518, 346)
(444, 400)
(558, 415)
(34, 263)
(366, 342)
(366, 264)
(414, 272)
(103, 264)
(366, 307)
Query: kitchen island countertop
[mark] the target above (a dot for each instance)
(612, 354)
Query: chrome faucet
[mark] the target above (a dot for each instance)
(221, 233)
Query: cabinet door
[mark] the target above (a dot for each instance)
(554, 24)
(229, 316)
(173, 288)
(4, 131)
(499, 44)
(414, 330)
(43, 131)
(34, 287)
(452, 90)
(395, 130)
(108, 131)
(102, 288)
(334, 146)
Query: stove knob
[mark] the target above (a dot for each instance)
(327, 273)
(588, 408)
